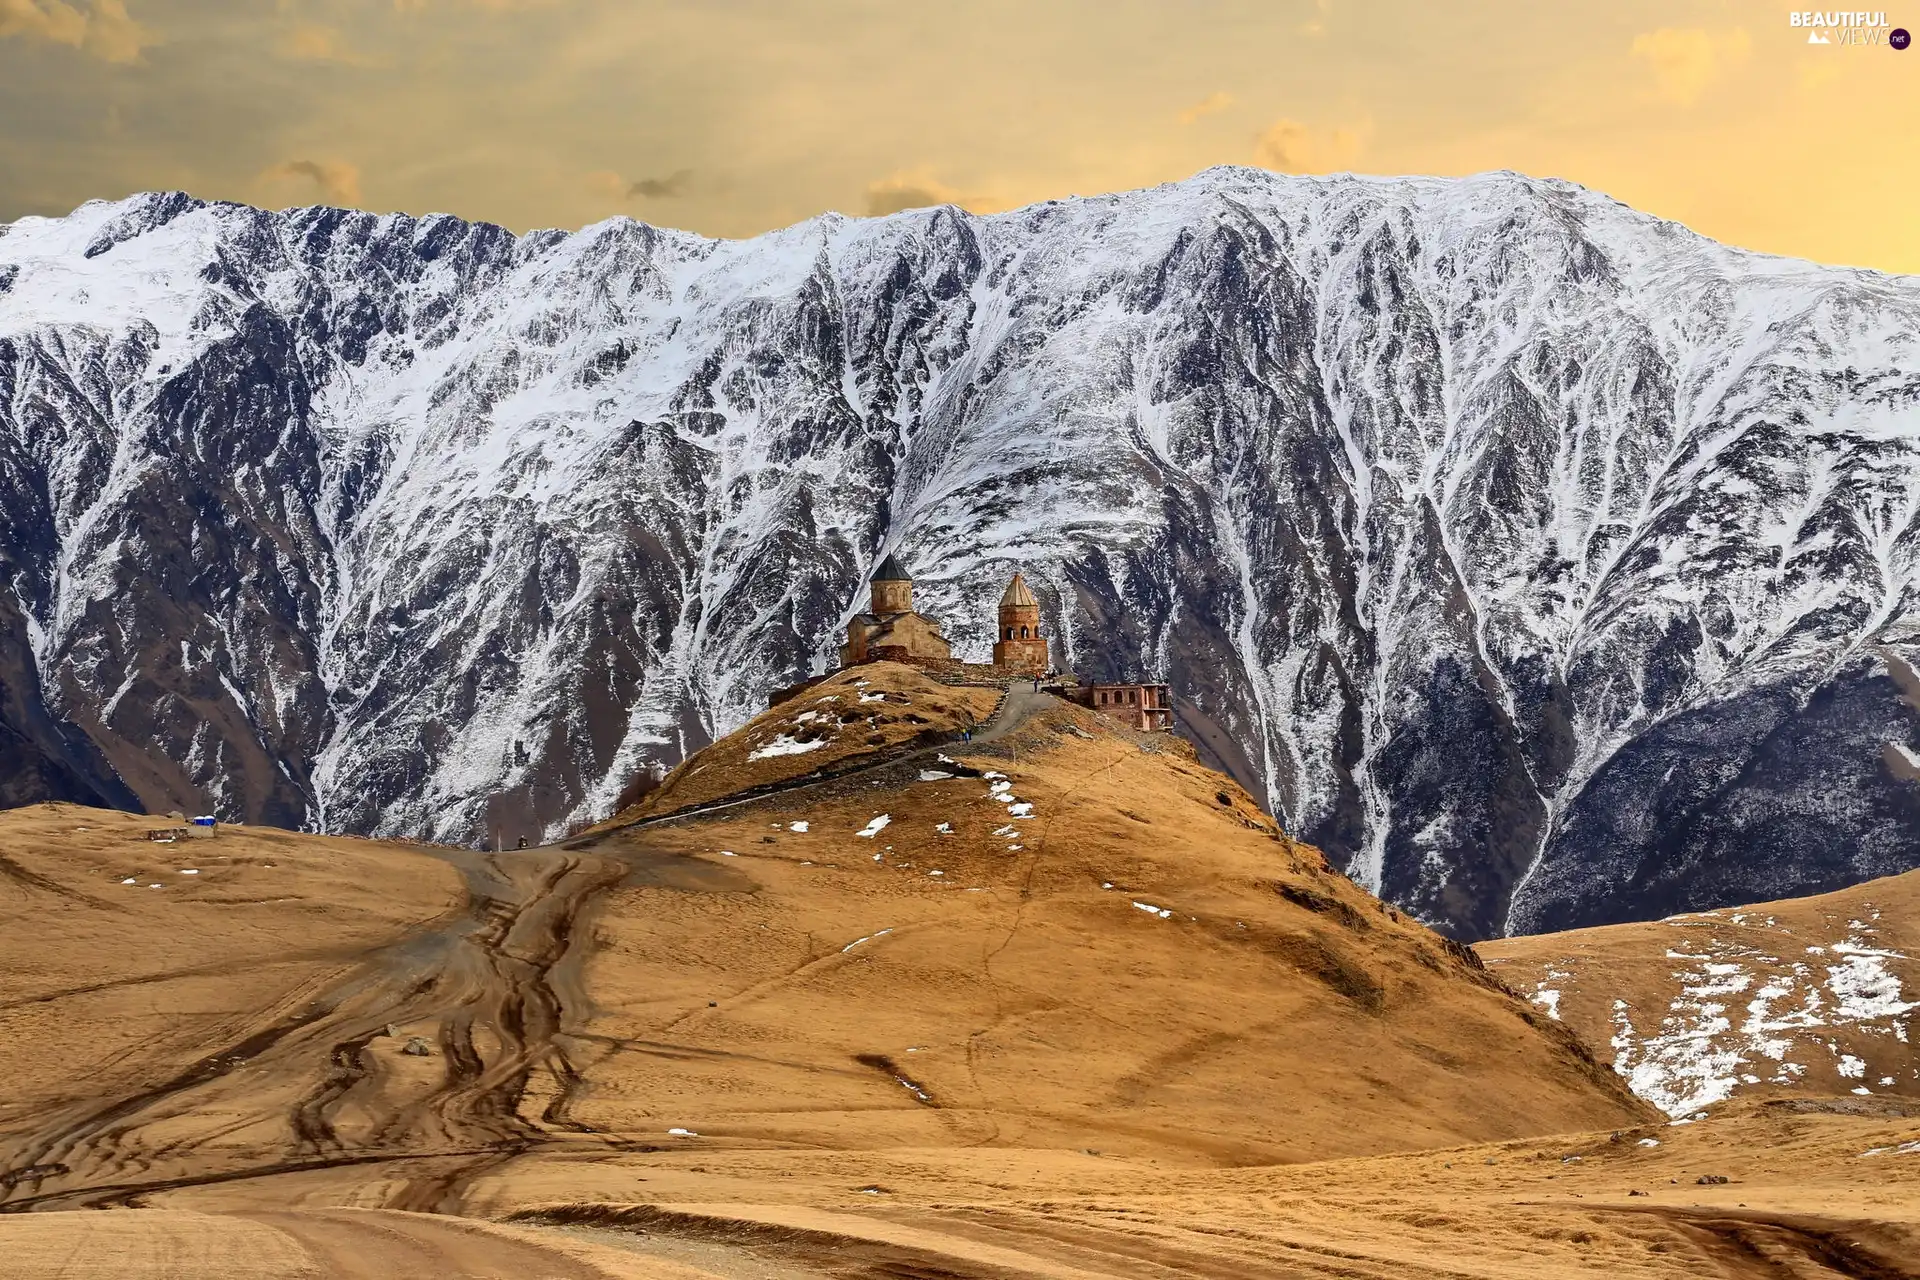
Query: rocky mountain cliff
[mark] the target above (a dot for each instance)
(1544, 562)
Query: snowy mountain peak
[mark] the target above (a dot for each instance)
(1545, 562)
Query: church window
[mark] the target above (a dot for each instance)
(1023, 633)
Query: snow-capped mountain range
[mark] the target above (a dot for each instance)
(1546, 563)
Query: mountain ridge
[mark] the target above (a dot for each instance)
(1384, 474)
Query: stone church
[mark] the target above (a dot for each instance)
(892, 631)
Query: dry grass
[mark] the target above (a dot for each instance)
(103, 983)
(861, 713)
(1781, 999)
(1010, 968)
(1129, 1030)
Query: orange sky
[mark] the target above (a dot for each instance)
(734, 116)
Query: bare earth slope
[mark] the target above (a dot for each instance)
(1094, 941)
(1065, 1004)
(1808, 995)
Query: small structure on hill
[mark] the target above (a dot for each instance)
(1144, 707)
(890, 630)
(1019, 644)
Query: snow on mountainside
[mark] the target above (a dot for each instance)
(1544, 562)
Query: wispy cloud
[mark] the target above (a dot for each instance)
(104, 29)
(309, 42)
(674, 184)
(496, 6)
(918, 189)
(612, 186)
(1686, 61)
(338, 181)
(1292, 147)
(1209, 105)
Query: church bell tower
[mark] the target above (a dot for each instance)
(1019, 643)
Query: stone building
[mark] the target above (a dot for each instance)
(1145, 707)
(890, 630)
(1018, 643)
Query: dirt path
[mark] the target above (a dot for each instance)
(309, 1244)
(322, 1079)
(373, 1243)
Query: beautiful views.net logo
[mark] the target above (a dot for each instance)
(1847, 26)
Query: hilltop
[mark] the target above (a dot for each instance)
(1058, 1002)
(1067, 936)
(858, 716)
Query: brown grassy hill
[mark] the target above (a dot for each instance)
(864, 713)
(1074, 1008)
(1816, 995)
(122, 960)
(1091, 941)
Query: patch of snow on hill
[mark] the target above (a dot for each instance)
(1704, 1047)
(782, 745)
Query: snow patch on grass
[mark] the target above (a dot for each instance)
(785, 746)
(1702, 1051)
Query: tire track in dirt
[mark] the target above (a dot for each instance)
(297, 1069)
(1761, 1245)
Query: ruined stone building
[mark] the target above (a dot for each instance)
(1145, 707)
(1019, 644)
(890, 630)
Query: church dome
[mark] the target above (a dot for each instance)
(890, 571)
(1018, 594)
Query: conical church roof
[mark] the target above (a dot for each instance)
(890, 571)
(1018, 593)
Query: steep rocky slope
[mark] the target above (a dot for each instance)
(1545, 563)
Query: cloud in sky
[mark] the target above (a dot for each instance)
(1686, 61)
(104, 29)
(1289, 146)
(494, 6)
(609, 185)
(735, 118)
(919, 190)
(338, 182)
(674, 184)
(1212, 104)
(311, 42)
